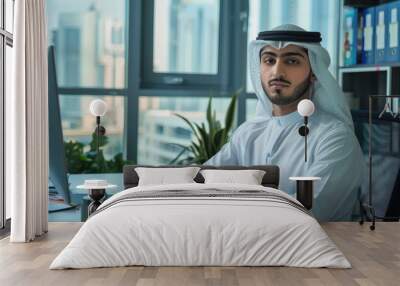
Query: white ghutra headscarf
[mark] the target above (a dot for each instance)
(327, 95)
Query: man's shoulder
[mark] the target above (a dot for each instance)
(333, 132)
(327, 123)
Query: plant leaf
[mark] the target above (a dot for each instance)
(190, 125)
(209, 114)
(230, 114)
(204, 142)
(218, 140)
(179, 155)
(179, 145)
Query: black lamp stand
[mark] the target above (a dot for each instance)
(303, 131)
(96, 195)
(100, 131)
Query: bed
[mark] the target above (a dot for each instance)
(201, 224)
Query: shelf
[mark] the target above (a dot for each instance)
(365, 68)
(361, 3)
(389, 118)
(363, 114)
(371, 67)
(362, 81)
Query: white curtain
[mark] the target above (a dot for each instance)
(27, 124)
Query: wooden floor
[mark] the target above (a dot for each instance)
(375, 257)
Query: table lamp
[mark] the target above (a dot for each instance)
(305, 108)
(98, 108)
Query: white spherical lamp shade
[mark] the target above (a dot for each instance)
(305, 107)
(98, 107)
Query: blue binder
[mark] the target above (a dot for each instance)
(368, 49)
(393, 20)
(349, 40)
(360, 36)
(380, 33)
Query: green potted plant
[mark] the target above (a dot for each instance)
(208, 140)
(79, 161)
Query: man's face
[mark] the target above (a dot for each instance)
(285, 73)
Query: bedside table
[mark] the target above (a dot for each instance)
(96, 196)
(96, 191)
(304, 190)
(85, 202)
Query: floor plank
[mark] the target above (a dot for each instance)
(374, 255)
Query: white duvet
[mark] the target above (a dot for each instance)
(200, 231)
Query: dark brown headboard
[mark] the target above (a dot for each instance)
(270, 179)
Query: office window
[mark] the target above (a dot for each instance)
(312, 15)
(89, 40)
(154, 112)
(186, 34)
(78, 123)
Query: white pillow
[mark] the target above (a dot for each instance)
(249, 177)
(163, 176)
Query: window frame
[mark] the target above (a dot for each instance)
(6, 39)
(151, 79)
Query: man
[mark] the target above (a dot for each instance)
(288, 64)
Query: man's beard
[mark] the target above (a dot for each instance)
(299, 91)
